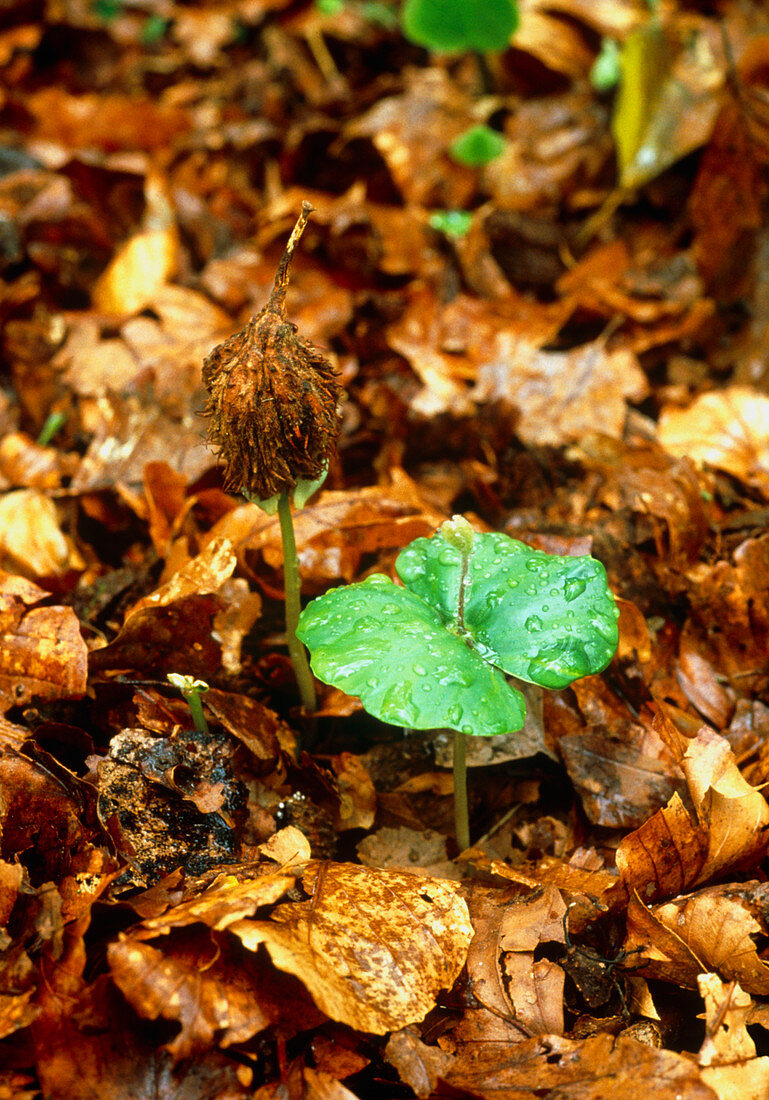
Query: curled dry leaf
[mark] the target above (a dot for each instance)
(42, 652)
(727, 1008)
(727, 428)
(32, 542)
(373, 948)
(715, 929)
(175, 626)
(672, 852)
(207, 987)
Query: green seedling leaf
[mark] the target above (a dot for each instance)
(645, 62)
(452, 223)
(541, 617)
(477, 146)
(457, 25)
(606, 70)
(384, 644)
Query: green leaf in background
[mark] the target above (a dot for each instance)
(452, 223)
(645, 61)
(458, 25)
(477, 146)
(541, 617)
(384, 644)
(606, 70)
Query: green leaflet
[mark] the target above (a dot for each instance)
(384, 644)
(458, 25)
(429, 655)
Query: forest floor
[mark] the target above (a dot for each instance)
(568, 344)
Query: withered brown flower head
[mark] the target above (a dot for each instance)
(272, 397)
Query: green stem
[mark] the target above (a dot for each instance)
(196, 710)
(461, 815)
(292, 585)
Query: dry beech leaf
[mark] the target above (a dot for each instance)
(145, 262)
(357, 795)
(534, 987)
(561, 395)
(373, 948)
(590, 1069)
(225, 902)
(175, 626)
(42, 652)
(288, 846)
(727, 428)
(208, 988)
(714, 929)
(727, 1008)
(418, 1065)
(31, 541)
(671, 852)
(337, 528)
(205, 573)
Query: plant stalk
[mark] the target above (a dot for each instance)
(461, 814)
(195, 704)
(292, 586)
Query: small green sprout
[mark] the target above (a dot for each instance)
(477, 146)
(452, 223)
(450, 26)
(155, 26)
(432, 653)
(606, 70)
(54, 422)
(191, 690)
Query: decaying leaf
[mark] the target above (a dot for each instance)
(374, 948)
(42, 652)
(714, 929)
(726, 428)
(672, 852)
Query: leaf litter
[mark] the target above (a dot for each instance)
(572, 352)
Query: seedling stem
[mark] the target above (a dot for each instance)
(292, 587)
(191, 690)
(461, 813)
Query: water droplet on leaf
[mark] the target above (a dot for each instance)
(533, 624)
(573, 587)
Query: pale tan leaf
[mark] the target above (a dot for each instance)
(727, 428)
(373, 948)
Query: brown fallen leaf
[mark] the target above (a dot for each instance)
(357, 796)
(42, 652)
(671, 852)
(534, 986)
(418, 1065)
(32, 542)
(595, 1068)
(373, 948)
(145, 262)
(209, 988)
(727, 1008)
(560, 396)
(714, 929)
(726, 428)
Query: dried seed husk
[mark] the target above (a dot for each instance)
(273, 398)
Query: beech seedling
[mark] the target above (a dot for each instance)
(433, 652)
(458, 25)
